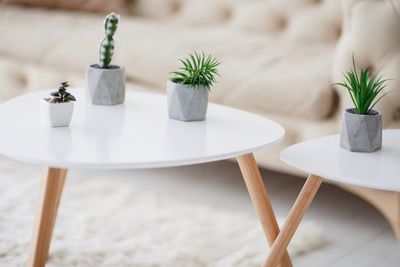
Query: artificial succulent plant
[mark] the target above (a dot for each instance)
(61, 95)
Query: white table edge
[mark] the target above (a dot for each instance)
(144, 165)
(326, 176)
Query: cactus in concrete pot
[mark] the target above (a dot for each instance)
(106, 82)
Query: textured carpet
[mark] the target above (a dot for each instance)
(104, 221)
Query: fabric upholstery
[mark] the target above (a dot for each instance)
(204, 12)
(257, 70)
(371, 33)
(155, 9)
(279, 57)
(120, 6)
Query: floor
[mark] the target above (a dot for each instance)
(357, 234)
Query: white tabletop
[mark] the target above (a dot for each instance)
(324, 157)
(137, 134)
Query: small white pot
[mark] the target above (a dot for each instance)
(56, 114)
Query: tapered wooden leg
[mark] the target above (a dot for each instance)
(296, 214)
(53, 184)
(261, 202)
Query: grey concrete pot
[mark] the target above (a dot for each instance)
(187, 103)
(361, 133)
(106, 86)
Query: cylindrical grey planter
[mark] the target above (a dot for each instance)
(106, 86)
(187, 103)
(361, 133)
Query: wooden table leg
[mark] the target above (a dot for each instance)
(53, 184)
(261, 202)
(296, 214)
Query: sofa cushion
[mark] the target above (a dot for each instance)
(204, 12)
(120, 6)
(371, 34)
(257, 71)
(155, 9)
(20, 77)
(295, 83)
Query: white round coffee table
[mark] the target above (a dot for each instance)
(323, 159)
(137, 134)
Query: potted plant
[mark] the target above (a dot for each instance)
(362, 125)
(188, 88)
(105, 82)
(58, 108)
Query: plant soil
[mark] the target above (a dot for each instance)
(54, 101)
(97, 66)
(371, 112)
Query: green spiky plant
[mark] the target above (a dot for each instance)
(61, 95)
(107, 44)
(364, 89)
(197, 70)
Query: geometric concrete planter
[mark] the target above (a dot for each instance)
(361, 133)
(187, 103)
(106, 86)
(56, 114)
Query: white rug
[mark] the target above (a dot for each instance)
(107, 222)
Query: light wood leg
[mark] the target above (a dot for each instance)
(261, 202)
(296, 214)
(394, 216)
(53, 184)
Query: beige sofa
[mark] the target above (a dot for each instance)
(279, 57)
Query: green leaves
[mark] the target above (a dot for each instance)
(61, 95)
(364, 89)
(197, 70)
(68, 97)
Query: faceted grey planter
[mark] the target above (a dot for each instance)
(187, 103)
(361, 133)
(106, 86)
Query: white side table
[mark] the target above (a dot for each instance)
(135, 135)
(324, 158)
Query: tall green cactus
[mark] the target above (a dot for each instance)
(107, 45)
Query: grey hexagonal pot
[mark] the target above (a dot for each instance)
(106, 86)
(187, 103)
(361, 133)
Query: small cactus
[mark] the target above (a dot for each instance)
(61, 95)
(107, 45)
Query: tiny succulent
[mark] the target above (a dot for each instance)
(363, 88)
(107, 44)
(197, 70)
(61, 95)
